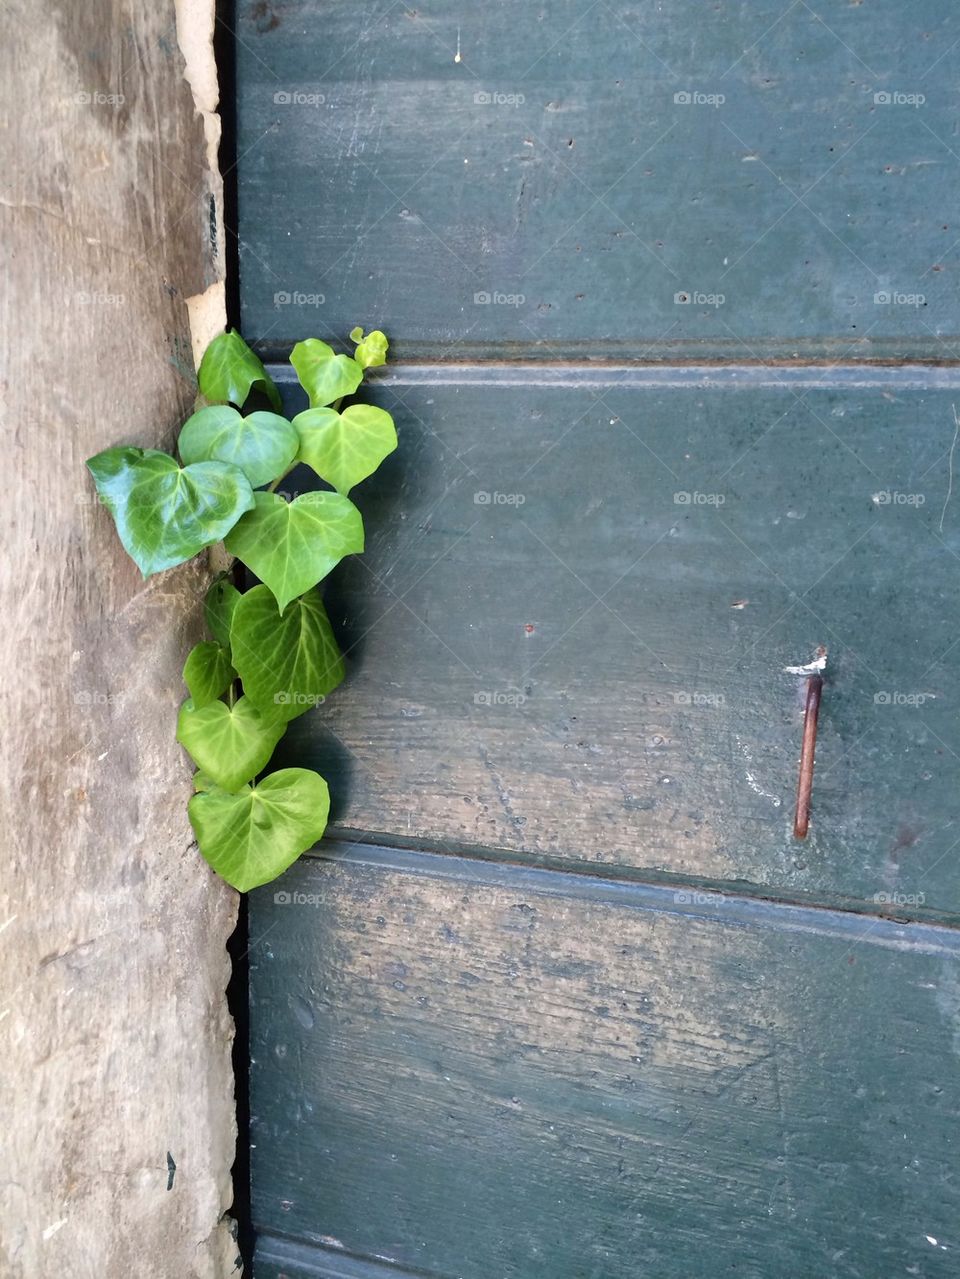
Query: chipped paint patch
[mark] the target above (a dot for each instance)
(811, 668)
(751, 779)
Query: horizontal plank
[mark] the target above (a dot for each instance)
(566, 638)
(552, 191)
(684, 900)
(461, 1070)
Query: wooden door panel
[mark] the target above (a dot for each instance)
(553, 170)
(468, 1070)
(540, 1006)
(566, 638)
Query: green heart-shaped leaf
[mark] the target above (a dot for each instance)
(344, 448)
(371, 350)
(287, 663)
(229, 370)
(165, 514)
(263, 445)
(252, 837)
(222, 598)
(207, 672)
(230, 744)
(324, 376)
(293, 545)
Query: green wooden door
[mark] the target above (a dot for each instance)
(673, 297)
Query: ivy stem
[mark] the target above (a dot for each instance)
(272, 488)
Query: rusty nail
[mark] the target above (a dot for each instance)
(807, 751)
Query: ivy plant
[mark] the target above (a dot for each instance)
(272, 654)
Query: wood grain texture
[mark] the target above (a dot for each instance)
(567, 635)
(118, 1128)
(553, 171)
(463, 1070)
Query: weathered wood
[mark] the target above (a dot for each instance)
(552, 168)
(589, 665)
(116, 1087)
(467, 1070)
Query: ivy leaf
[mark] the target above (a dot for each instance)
(230, 744)
(293, 545)
(253, 836)
(165, 514)
(371, 350)
(222, 598)
(324, 376)
(229, 371)
(344, 448)
(262, 445)
(287, 663)
(207, 672)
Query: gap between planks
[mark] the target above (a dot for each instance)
(291, 1259)
(637, 377)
